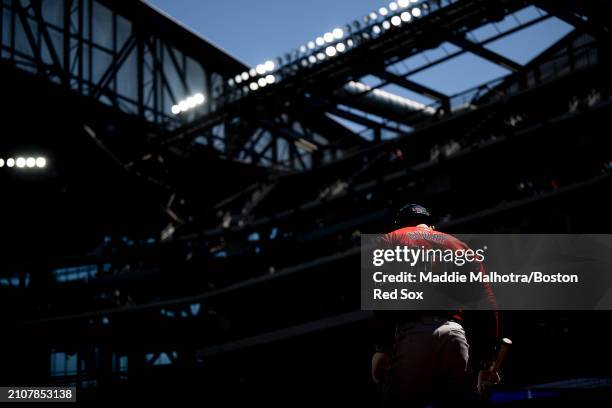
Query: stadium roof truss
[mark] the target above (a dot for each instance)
(355, 86)
(367, 84)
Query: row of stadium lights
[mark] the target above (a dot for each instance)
(24, 162)
(188, 103)
(261, 71)
(322, 47)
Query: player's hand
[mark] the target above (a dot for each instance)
(380, 367)
(487, 379)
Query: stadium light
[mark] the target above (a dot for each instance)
(270, 79)
(23, 162)
(199, 98)
(188, 103)
(338, 40)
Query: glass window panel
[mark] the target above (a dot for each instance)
(102, 25)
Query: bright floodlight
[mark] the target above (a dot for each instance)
(383, 11)
(376, 29)
(253, 86)
(198, 98)
(260, 69)
(262, 82)
(330, 51)
(270, 79)
(238, 79)
(414, 1)
(269, 65)
(176, 109)
(41, 162)
(340, 47)
(328, 37)
(321, 56)
(191, 103)
(405, 16)
(386, 24)
(373, 16)
(338, 33)
(10, 162)
(320, 41)
(253, 72)
(349, 42)
(303, 49)
(312, 59)
(30, 162)
(245, 76)
(1, 162)
(395, 20)
(20, 162)
(183, 106)
(416, 12)
(403, 3)
(311, 45)
(393, 6)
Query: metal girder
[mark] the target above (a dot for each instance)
(22, 14)
(487, 41)
(99, 57)
(596, 21)
(414, 86)
(485, 53)
(113, 68)
(36, 7)
(319, 80)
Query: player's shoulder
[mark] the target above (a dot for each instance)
(423, 234)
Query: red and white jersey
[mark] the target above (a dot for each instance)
(426, 238)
